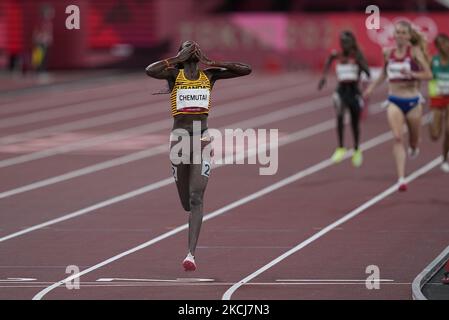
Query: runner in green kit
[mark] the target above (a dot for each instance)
(439, 95)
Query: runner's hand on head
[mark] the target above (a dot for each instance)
(186, 53)
(203, 58)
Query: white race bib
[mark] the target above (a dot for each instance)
(347, 72)
(205, 169)
(394, 70)
(443, 87)
(188, 98)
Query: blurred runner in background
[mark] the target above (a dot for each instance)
(405, 66)
(350, 64)
(42, 41)
(439, 95)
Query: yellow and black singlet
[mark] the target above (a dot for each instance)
(190, 96)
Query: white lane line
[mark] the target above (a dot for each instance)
(77, 109)
(46, 100)
(146, 109)
(285, 140)
(178, 280)
(112, 281)
(33, 267)
(242, 247)
(299, 135)
(90, 142)
(282, 114)
(389, 191)
(275, 186)
(249, 103)
(114, 117)
(16, 280)
(142, 97)
(99, 205)
(208, 284)
(330, 280)
(131, 83)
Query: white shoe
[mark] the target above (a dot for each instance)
(189, 263)
(413, 153)
(445, 167)
(384, 104)
(402, 185)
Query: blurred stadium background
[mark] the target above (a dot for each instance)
(273, 35)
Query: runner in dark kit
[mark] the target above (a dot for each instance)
(350, 64)
(190, 89)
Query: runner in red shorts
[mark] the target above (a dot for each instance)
(439, 95)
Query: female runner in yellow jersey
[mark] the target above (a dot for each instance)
(190, 89)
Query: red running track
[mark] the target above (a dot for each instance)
(399, 234)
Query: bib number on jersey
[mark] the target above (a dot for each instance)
(174, 171)
(192, 98)
(205, 169)
(443, 87)
(347, 72)
(395, 70)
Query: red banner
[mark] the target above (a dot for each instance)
(296, 40)
(269, 41)
(11, 27)
(121, 22)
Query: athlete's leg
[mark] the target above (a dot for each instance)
(181, 173)
(198, 182)
(199, 176)
(436, 124)
(339, 112)
(396, 121)
(413, 119)
(180, 166)
(354, 108)
(355, 123)
(446, 135)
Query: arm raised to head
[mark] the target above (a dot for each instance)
(163, 69)
(223, 70)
